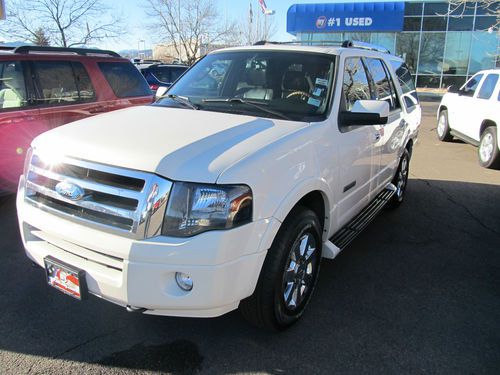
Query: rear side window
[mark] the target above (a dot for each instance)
(406, 82)
(355, 85)
(488, 86)
(62, 82)
(176, 73)
(382, 82)
(125, 80)
(167, 74)
(12, 86)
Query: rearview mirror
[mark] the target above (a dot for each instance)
(366, 112)
(160, 92)
(454, 89)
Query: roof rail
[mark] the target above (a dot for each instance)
(345, 44)
(363, 45)
(6, 48)
(77, 51)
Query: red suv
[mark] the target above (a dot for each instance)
(45, 87)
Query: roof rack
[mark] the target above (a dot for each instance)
(77, 51)
(345, 44)
(6, 48)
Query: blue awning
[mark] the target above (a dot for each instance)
(379, 16)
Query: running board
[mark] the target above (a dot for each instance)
(348, 233)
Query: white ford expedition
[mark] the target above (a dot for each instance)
(227, 191)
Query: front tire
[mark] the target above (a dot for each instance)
(289, 274)
(443, 127)
(488, 148)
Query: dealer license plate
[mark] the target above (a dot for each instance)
(67, 279)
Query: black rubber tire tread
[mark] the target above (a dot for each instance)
(259, 308)
(447, 137)
(494, 162)
(395, 202)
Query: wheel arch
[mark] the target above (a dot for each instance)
(441, 108)
(486, 124)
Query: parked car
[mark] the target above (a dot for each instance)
(162, 75)
(44, 87)
(472, 113)
(228, 191)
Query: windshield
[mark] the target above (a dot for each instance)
(275, 84)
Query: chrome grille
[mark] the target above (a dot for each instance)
(118, 200)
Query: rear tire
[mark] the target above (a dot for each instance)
(489, 156)
(443, 127)
(400, 180)
(289, 274)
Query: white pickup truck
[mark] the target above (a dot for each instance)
(227, 191)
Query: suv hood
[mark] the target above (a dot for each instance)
(180, 144)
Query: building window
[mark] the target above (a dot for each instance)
(484, 23)
(413, 9)
(385, 40)
(412, 23)
(435, 9)
(407, 48)
(431, 53)
(460, 23)
(483, 52)
(434, 24)
(458, 81)
(456, 55)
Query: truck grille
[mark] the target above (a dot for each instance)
(118, 200)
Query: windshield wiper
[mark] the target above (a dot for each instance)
(258, 105)
(181, 99)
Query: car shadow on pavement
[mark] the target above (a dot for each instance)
(416, 292)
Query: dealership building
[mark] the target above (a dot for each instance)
(441, 43)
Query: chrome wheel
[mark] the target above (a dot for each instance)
(402, 178)
(486, 147)
(300, 267)
(441, 125)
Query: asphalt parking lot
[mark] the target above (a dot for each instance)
(417, 292)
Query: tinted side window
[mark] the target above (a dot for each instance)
(488, 86)
(383, 85)
(12, 85)
(470, 87)
(62, 82)
(176, 73)
(355, 85)
(125, 80)
(406, 82)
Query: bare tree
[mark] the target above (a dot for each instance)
(190, 26)
(67, 23)
(457, 8)
(39, 38)
(258, 27)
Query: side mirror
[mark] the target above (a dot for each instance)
(366, 112)
(160, 92)
(454, 89)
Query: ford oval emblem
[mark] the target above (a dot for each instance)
(68, 190)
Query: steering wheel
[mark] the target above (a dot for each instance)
(302, 94)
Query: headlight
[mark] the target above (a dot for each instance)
(197, 208)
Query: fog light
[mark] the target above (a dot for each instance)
(184, 281)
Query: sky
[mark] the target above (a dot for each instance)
(134, 13)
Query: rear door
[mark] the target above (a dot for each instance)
(393, 133)
(483, 106)
(18, 121)
(357, 163)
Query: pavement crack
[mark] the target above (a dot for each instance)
(85, 343)
(460, 205)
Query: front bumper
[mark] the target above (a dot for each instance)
(224, 265)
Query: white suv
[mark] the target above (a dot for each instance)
(227, 191)
(472, 114)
